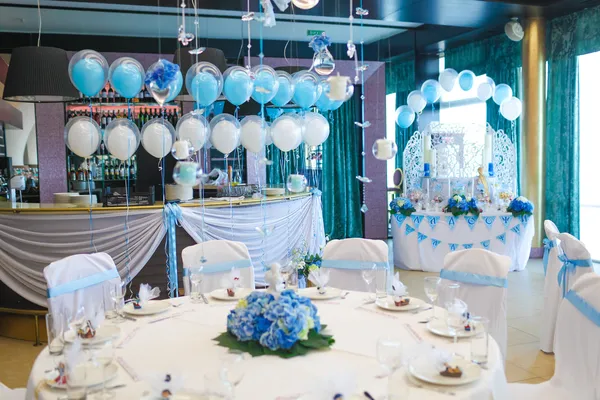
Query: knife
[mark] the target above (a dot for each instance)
(204, 298)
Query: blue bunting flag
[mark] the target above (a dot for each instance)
(400, 219)
(468, 245)
(516, 229)
(471, 220)
(408, 229)
(506, 220)
(524, 219)
(451, 219)
(489, 221)
(486, 244)
(502, 238)
(421, 237)
(435, 243)
(453, 246)
(432, 221)
(416, 219)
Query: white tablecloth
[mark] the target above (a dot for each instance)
(422, 240)
(182, 344)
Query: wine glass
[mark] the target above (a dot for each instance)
(368, 276)
(457, 310)
(431, 291)
(76, 320)
(103, 357)
(117, 294)
(233, 370)
(389, 356)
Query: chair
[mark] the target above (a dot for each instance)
(575, 261)
(219, 256)
(80, 280)
(576, 348)
(483, 285)
(552, 291)
(347, 258)
(11, 394)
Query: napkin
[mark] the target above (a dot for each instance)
(232, 280)
(439, 358)
(147, 293)
(274, 279)
(96, 317)
(398, 288)
(319, 278)
(164, 385)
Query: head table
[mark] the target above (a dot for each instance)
(182, 344)
(422, 240)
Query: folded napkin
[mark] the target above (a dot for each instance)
(147, 293)
(164, 385)
(398, 288)
(457, 307)
(320, 278)
(439, 358)
(232, 280)
(274, 279)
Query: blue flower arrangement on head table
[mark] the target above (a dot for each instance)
(285, 326)
(520, 206)
(401, 205)
(461, 205)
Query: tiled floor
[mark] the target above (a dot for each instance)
(525, 362)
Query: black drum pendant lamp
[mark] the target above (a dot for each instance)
(39, 75)
(185, 60)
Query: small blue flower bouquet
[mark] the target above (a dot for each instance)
(520, 206)
(286, 326)
(461, 205)
(161, 74)
(401, 205)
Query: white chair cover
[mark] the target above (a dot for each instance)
(576, 348)
(482, 275)
(347, 258)
(11, 394)
(219, 257)
(574, 259)
(552, 291)
(81, 280)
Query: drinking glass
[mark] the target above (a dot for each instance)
(431, 291)
(103, 357)
(389, 356)
(233, 370)
(76, 320)
(117, 294)
(456, 317)
(55, 329)
(76, 385)
(447, 292)
(381, 282)
(368, 276)
(479, 342)
(196, 278)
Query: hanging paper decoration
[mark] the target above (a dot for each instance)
(432, 221)
(471, 221)
(323, 62)
(399, 219)
(451, 220)
(467, 246)
(489, 221)
(506, 220)
(516, 229)
(524, 219)
(453, 246)
(408, 230)
(502, 238)
(421, 237)
(435, 243)
(163, 80)
(486, 244)
(416, 219)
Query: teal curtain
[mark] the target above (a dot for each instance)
(400, 79)
(341, 165)
(569, 37)
(294, 164)
(500, 59)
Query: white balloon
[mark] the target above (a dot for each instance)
(254, 132)
(511, 108)
(316, 129)
(158, 138)
(194, 128)
(225, 133)
(286, 132)
(447, 79)
(416, 101)
(82, 136)
(486, 89)
(268, 137)
(122, 138)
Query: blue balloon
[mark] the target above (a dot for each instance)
(405, 116)
(238, 88)
(264, 87)
(205, 89)
(175, 87)
(305, 94)
(466, 79)
(284, 93)
(431, 90)
(127, 80)
(502, 92)
(324, 103)
(88, 76)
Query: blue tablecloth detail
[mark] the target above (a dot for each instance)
(548, 244)
(432, 221)
(416, 219)
(506, 220)
(408, 229)
(474, 279)
(489, 221)
(213, 268)
(486, 244)
(82, 283)
(588, 310)
(502, 238)
(435, 243)
(568, 268)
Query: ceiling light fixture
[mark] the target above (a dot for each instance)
(514, 30)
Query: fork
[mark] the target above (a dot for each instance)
(344, 295)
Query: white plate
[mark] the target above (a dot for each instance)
(86, 375)
(221, 294)
(422, 368)
(313, 294)
(440, 327)
(388, 304)
(150, 308)
(185, 396)
(103, 334)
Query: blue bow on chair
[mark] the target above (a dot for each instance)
(548, 245)
(568, 268)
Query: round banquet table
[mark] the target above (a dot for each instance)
(422, 240)
(179, 342)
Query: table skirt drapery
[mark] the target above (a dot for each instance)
(422, 240)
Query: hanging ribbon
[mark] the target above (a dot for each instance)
(451, 220)
(399, 219)
(486, 244)
(471, 221)
(435, 243)
(489, 221)
(408, 230)
(502, 238)
(585, 308)
(453, 246)
(548, 245)
(432, 221)
(568, 268)
(171, 214)
(516, 229)
(416, 219)
(506, 220)
(421, 237)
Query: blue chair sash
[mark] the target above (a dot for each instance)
(352, 264)
(584, 307)
(213, 268)
(548, 245)
(72, 286)
(474, 279)
(568, 268)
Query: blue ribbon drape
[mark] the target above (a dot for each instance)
(584, 307)
(172, 213)
(352, 264)
(214, 268)
(548, 245)
(475, 279)
(568, 268)
(82, 283)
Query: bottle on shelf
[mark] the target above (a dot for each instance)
(73, 174)
(111, 95)
(103, 95)
(131, 170)
(122, 171)
(103, 121)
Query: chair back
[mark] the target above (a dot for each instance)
(81, 280)
(551, 248)
(219, 257)
(576, 347)
(483, 285)
(347, 258)
(575, 260)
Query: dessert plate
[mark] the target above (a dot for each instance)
(221, 294)
(313, 293)
(150, 308)
(85, 375)
(440, 328)
(103, 333)
(388, 304)
(424, 369)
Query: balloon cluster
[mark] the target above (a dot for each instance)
(431, 91)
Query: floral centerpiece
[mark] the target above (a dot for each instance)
(283, 324)
(461, 205)
(520, 206)
(401, 205)
(305, 263)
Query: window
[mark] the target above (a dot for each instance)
(589, 142)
